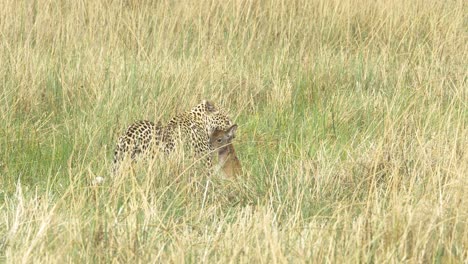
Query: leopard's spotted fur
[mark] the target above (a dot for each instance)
(193, 128)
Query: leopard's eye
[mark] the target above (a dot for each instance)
(219, 140)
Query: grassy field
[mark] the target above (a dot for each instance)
(352, 130)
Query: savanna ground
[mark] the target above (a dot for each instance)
(353, 130)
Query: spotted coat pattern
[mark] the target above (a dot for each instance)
(192, 128)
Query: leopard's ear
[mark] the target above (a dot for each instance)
(209, 106)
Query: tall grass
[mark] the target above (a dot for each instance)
(353, 130)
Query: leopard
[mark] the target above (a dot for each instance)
(144, 139)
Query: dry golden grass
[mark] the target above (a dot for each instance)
(352, 130)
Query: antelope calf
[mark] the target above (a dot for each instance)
(221, 142)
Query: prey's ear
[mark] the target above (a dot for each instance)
(231, 132)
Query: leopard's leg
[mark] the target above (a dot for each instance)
(203, 152)
(119, 154)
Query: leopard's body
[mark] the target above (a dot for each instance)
(192, 128)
